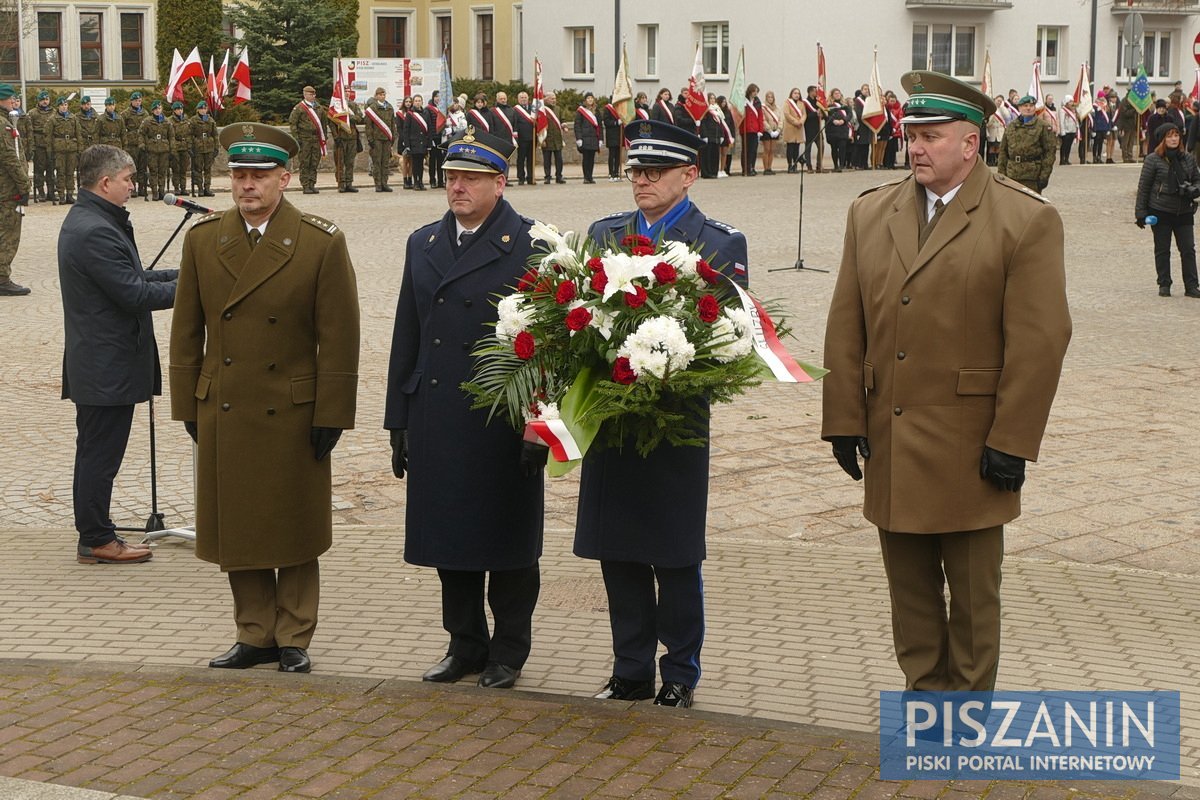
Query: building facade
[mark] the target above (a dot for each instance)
(579, 43)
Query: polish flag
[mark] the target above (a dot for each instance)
(192, 68)
(697, 102)
(241, 74)
(222, 83)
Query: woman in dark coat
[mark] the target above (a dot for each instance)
(1167, 189)
(838, 130)
(587, 135)
(614, 131)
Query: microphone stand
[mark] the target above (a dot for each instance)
(799, 265)
(155, 528)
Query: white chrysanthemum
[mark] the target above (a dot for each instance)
(545, 232)
(657, 346)
(681, 256)
(547, 410)
(622, 269)
(514, 317)
(732, 335)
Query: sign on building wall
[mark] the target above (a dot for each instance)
(400, 77)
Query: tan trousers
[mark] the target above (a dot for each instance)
(936, 650)
(276, 610)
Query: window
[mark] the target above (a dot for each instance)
(49, 45)
(131, 46)
(714, 47)
(390, 35)
(91, 50)
(945, 48)
(443, 37)
(583, 52)
(484, 31)
(1155, 55)
(518, 49)
(1048, 39)
(649, 39)
(10, 65)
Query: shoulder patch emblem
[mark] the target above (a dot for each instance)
(320, 222)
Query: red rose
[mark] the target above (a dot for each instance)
(664, 273)
(579, 318)
(637, 299)
(527, 281)
(637, 240)
(647, 250)
(599, 281)
(565, 293)
(523, 345)
(707, 273)
(623, 373)
(709, 308)
(595, 263)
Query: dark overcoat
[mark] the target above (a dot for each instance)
(264, 346)
(469, 507)
(110, 356)
(653, 510)
(936, 351)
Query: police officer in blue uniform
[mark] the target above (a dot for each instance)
(475, 498)
(638, 538)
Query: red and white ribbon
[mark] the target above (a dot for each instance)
(554, 434)
(767, 344)
(378, 122)
(315, 119)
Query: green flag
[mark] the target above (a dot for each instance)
(737, 89)
(1139, 92)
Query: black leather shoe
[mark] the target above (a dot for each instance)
(451, 669)
(1164, 291)
(675, 695)
(1192, 293)
(242, 656)
(498, 676)
(619, 688)
(294, 659)
(351, 189)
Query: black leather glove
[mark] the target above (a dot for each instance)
(399, 452)
(1007, 472)
(323, 440)
(1141, 222)
(847, 449)
(533, 458)
(192, 430)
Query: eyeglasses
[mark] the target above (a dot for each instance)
(651, 174)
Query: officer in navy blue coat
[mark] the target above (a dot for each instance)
(474, 488)
(638, 538)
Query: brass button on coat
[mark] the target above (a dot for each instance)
(897, 411)
(228, 315)
(224, 406)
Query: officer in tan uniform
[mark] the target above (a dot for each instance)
(66, 139)
(204, 149)
(14, 193)
(181, 149)
(158, 140)
(264, 370)
(945, 340)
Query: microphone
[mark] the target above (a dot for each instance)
(186, 205)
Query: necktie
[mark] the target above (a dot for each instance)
(464, 238)
(255, 235)
(927, 228)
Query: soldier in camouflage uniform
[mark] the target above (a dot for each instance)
(1029, 148)
(347, 145)
(204, 149)
(134, 116)
(14, 193)
(88, 120)
(36, 130)
(158, 140)
(110, 128)
(66, 140)
(310, 134)
(381, 132)
(181, 149)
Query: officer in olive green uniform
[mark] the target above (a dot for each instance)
(134, 116)
(1029, 148)
(204, 149)
(66, 140)
(346, 146)
(110, 127)
(381, 132)
(36, 131)
(158, 140)
(181, 149)
(14, 192)
(309, 124)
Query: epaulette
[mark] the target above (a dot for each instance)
(886, 185)
(721, 226)
(1004, 180)
(527, 220)
(208, 218)
(320, 222)
(614, 215)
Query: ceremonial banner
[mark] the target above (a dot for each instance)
(822, 99)
(622, 93)
(1035, 85)
(872, 113)
(339, 111)
(1083, 92)
(737, 89)
(539, 102)
(1139, 92)
(697, 101)
(986, 85)
(1195, 95)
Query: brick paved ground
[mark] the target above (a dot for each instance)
(1099, 588)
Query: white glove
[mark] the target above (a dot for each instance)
(579, 143)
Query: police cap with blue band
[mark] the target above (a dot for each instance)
(659, 144)
(475, 151)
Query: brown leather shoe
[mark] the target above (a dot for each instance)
(115, 552)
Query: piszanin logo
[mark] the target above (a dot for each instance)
(1029, 735)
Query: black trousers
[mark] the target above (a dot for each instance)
(614, 162)
(435, 166)
(101, 438)
(511, 594)
(710, 155)
(589, 163)
(840, 150)
(525, 162)
(1064, 150)
(749, 152)
(793, 154)
(1098, 140)
(810, 141)
(556, 157)
(418, 168)
(640, 620)
(1183, 228)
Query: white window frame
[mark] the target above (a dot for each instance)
(1153, 71)
(435, 44)
(723, 49)
(149, 42)
(929, 25)
(648, 47)
(589, 39)
(518, 43)
(1043, 39)
(409, 29)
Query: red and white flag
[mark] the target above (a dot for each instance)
(241, 74)
(222, 84)
(697, 101)
(212, 94)
(539, 102)
(1195, 95)
(872, 112)
(1083, 93)
(985, 85)
(191, 67)
(1035, 85)
(822, 100)
(173, 78)
(339, 111)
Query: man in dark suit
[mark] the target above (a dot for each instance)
(474, 489)
(637, 538)
(110, 361)
(525, 122)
